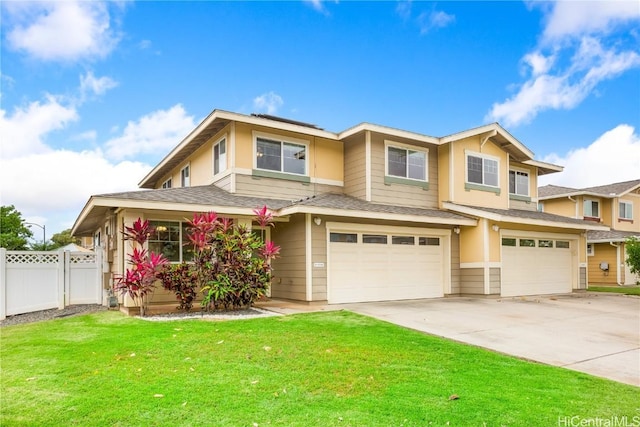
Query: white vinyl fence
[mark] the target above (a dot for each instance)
(33, 281)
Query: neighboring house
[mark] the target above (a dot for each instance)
(615, 205)
(367, 214)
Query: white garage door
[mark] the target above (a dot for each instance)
(383, 266)
(533, 266)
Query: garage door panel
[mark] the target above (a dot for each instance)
(378, 272)
(536, 270)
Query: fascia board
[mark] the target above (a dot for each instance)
(362, 127)
(315, 210)
(524, 221)
(488, 128)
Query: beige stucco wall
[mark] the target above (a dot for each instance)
(563, 207)
(472, 244)
(623, 225)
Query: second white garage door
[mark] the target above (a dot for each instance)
(382, 266)
(536, 266)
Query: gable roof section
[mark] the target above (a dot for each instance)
(210, 126)
(608, 191)
(520, 216)
(191, 199)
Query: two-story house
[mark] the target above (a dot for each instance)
(615, 205)
(371, 213)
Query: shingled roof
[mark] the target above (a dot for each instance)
(610, 236)
(608, 191)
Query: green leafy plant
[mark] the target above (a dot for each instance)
(181, 280)
(633, 254)
(139, 280)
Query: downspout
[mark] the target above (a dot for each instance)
(576, 202)
(618, 275)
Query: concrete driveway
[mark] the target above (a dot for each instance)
(594, 333)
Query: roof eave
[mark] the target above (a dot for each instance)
(316, 210)
(363, 127)
(524, 221)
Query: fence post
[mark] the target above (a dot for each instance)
(100, 275)
(67, 278)
(61, 279)
(3, 283)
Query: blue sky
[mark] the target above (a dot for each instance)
(95, 93)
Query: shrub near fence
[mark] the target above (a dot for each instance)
(32, 281)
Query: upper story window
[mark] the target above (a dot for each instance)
(185, 180)
(167, 183)
(625, 210)
(281, 156)
(519, 183)
(407, 163)
(591, 208)
(482, 170)
(220, 156)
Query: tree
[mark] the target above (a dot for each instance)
(14, 234)
(633, 254)
(62, 238)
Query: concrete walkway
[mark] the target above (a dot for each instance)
(589, 332)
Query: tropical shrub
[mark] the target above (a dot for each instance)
(139, 280)
(633, 254)
(181, 280)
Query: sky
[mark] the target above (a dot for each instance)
(93, 94)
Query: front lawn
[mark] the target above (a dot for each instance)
(316, 369)
(627, 290)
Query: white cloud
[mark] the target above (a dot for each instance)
(319, 5)
(613, 157)
(434, 20)
(403, 8)
(156, 132)
(60, 30)
(25, 129)
(64, 182)
(582, 55)
(268, 102)
(92, 85)
(571, 19)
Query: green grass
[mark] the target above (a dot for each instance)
(316, 369)
(627, 290)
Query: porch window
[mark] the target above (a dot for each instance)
(170, 239)
(625, 210)
(406, 163)
(592, 208)
(519, 183)
(220, 156)
(482, 170)
(281, 156)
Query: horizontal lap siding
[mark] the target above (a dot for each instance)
(472, 281)
(279, 188)
(355, 169)
(319, 255)
(224, 183)
(289, 269)
(455, 264)
(494, 281)
(522, 205)
(603, 252)
(400, 194)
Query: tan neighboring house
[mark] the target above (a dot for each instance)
(615, 205)
(371, 213)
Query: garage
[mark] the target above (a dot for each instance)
(386, 263)
(537, 265)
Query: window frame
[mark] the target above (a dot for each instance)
(630, 206)
(282, 141)
(584, 205)
(182, 239)
(185, 180)
(167, 183)
(517, 171)
(483, 157)
(591, 249)
(407, 148)
(222, 157)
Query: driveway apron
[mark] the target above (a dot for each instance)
(594, 333)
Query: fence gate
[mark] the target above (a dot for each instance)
(32, 281)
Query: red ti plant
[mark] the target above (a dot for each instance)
(139, 280)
